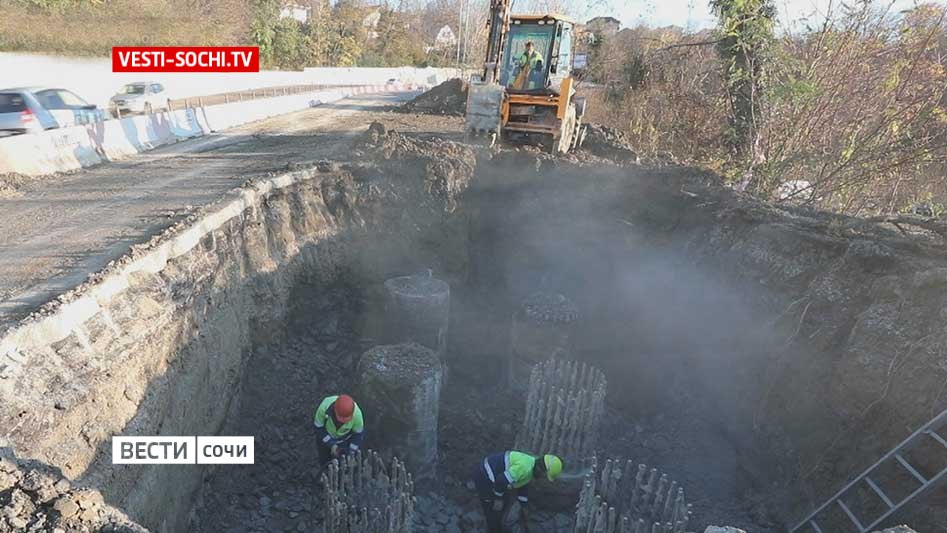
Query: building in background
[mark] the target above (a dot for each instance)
(295, 11)
(370, 20)
(602, 28)
(445, 39)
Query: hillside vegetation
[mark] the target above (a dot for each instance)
(92, 28)
(847, 113)
(339, 33)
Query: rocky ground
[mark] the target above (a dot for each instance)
(280, 492)
(37, 499)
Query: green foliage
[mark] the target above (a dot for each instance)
(93, 27)
(336, 33)
(263, 28)
(746, 36)
(290, 45)
(345, 35)
(394, 45)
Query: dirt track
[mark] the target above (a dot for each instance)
(55, 232)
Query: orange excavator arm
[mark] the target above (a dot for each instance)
(499, 25)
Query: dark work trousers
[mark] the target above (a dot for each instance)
(487, 497)
(325, 449)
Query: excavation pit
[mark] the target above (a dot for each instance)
(757, 356)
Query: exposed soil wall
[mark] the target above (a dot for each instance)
(811, 343)
(159, 344)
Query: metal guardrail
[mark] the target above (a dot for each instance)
(242, 96)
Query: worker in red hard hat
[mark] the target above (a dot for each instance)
(340, 427)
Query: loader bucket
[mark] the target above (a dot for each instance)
(484, 107)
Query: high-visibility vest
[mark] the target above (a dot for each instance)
(529, 59)
(511, 468)
(322, 419)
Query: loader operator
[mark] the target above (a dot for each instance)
(340, 427)
(504, 474)
(527, 67)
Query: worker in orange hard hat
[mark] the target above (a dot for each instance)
(340, 427)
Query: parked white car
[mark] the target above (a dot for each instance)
(139, 97)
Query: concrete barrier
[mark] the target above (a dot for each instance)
(67, 149)
(93, 79)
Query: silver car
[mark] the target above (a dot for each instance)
(139, 97)
(21, 112)
(67, 108)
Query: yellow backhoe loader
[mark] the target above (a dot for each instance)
(521, 98)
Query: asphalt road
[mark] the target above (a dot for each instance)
(55, 232)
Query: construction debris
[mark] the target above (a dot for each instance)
(619, 499)
(609, 143)
(36, 498)
(360, 494)
(400, 385)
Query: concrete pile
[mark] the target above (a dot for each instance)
(418, 310)
(542, 328)
(399, 389)
(620, 498)
(360, 494)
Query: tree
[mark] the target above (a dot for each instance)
(746, 36)
(395, 43)
(290, 45)
(345, 35)
(263, 28)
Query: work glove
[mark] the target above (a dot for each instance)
(334, 451)
(497, 505)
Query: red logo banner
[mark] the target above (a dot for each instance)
(186, 59)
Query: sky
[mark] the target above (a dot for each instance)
(695, 14)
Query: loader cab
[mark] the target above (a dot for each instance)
(553, 39)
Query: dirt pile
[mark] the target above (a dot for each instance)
(13, 185)
(34, 498)
(609, 143)
(448, 98)
(445, 167)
